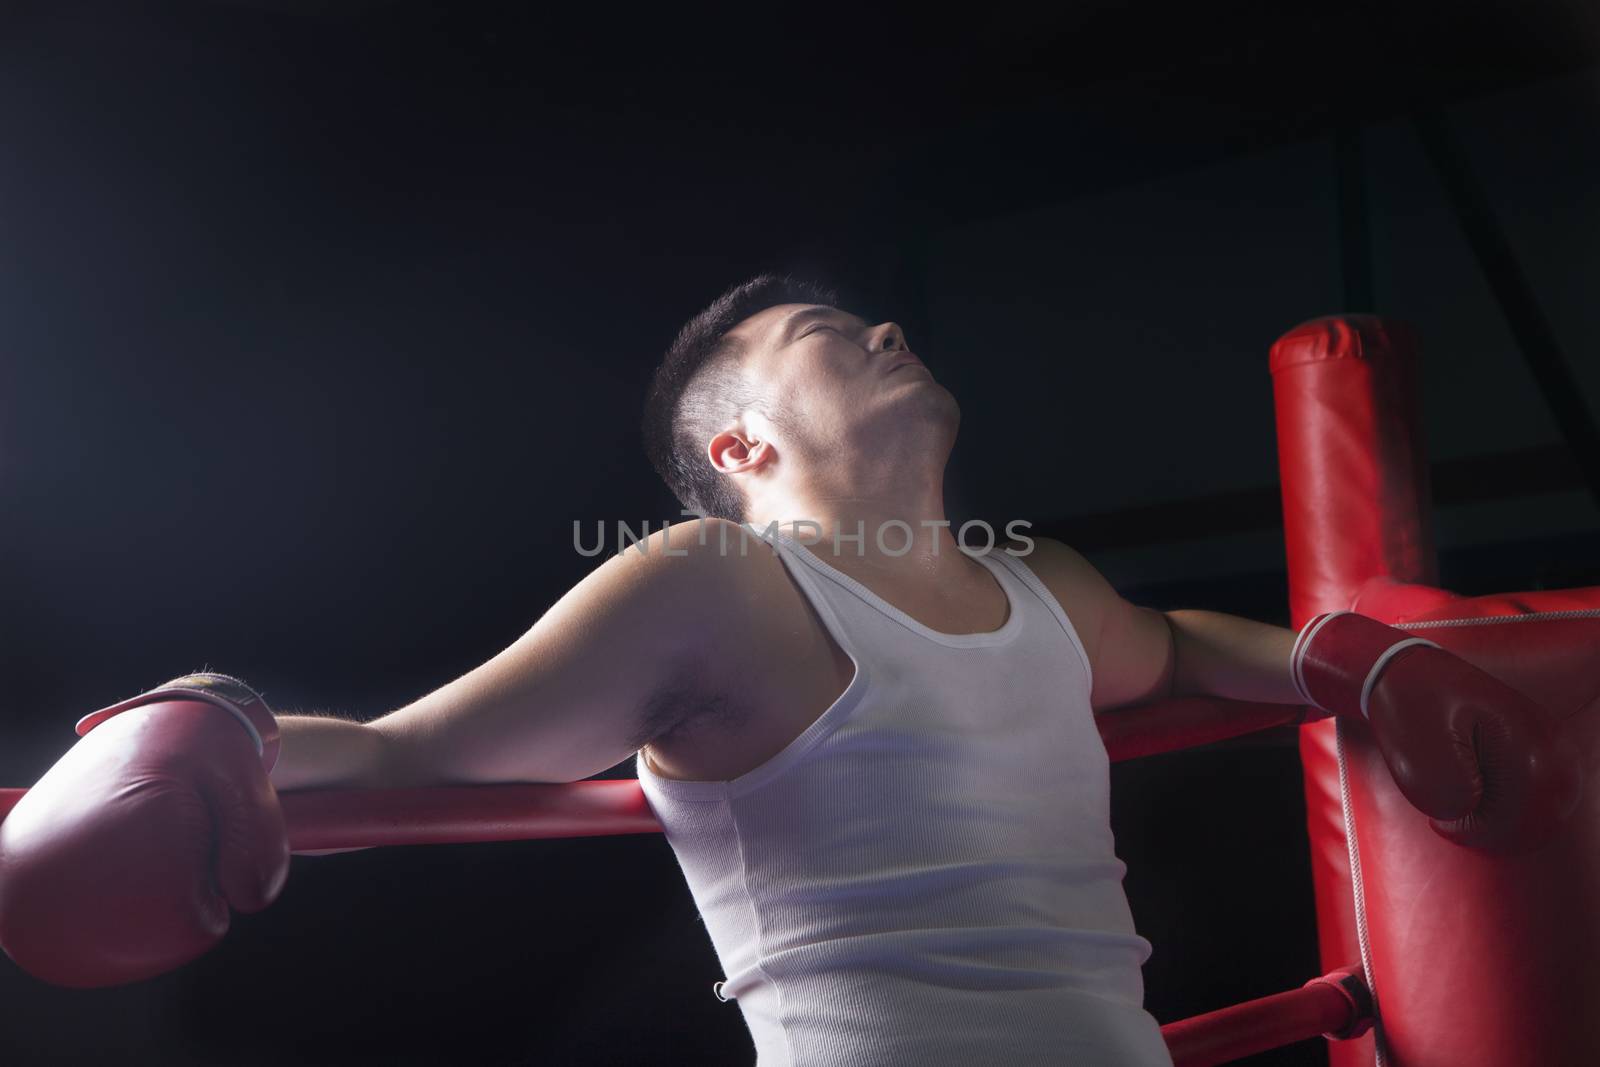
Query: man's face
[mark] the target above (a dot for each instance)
(841, 384)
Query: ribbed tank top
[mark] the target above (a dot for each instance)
(926, 876)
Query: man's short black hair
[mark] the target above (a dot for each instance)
(698, 390)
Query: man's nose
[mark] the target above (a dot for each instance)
(889, 338)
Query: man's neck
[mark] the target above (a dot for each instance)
(902, 536)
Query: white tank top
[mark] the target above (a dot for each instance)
(926, 876)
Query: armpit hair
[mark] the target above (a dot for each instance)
(686, 703)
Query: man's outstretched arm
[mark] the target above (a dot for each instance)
(1228, 656)
(327, 752)
(172, 792)
(563, 702)
(1489, 766)
(1138, 654)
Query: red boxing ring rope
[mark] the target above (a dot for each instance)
(321, 819)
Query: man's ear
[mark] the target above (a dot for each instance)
(735, 451)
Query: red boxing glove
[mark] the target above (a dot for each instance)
(1491, 768)
(122, 862)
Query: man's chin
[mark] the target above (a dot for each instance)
(934, 404)
(947, 399)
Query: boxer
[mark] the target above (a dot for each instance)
(871, 746)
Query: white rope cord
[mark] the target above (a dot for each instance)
(1359, 892)
(1486, 620)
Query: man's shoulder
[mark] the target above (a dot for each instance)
(1045, 556)
(1075, 583)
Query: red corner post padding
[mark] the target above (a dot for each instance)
(1336, 1005)
(1475, 960)
(1481, 960)
(1355, 496)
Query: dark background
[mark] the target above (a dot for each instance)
(320, 324)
